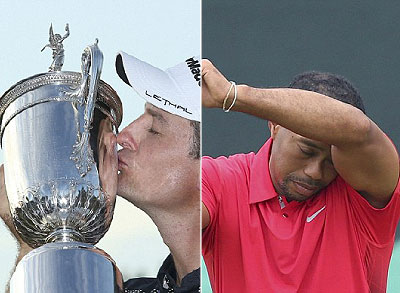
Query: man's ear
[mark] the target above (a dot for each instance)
(273, 128)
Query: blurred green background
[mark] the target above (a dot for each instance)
(266, 43)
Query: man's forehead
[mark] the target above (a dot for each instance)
(163, 115)
(156, 112)
(313, 143)
(307, 141)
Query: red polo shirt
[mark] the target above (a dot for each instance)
(334, 242)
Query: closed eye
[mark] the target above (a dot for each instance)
(306, 152)
(152, 131)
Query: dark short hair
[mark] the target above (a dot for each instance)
(194, 151)
(331, 85)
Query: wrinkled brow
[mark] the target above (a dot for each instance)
(311, 144)
(156, 114)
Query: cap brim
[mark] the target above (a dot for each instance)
(155, 86)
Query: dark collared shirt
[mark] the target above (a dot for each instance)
(165, 281)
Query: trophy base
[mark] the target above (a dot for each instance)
(66, 267)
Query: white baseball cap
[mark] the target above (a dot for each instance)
(175, 90)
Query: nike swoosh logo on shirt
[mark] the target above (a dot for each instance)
(310, 218)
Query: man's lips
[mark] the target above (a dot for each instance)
(121, 163)
(305, 189)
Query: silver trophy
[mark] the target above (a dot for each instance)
(52, 132)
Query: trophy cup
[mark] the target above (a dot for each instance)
(52, 132)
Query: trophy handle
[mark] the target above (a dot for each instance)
(92, 63)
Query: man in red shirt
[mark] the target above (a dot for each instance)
(316, 209)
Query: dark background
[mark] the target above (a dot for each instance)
(266, 43)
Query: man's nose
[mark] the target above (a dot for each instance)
(125, 139)
(314, 170)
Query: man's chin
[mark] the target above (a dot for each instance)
(296, 198)
(299, 197)
(122, 189)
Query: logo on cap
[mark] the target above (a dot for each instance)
(194, 66)
(167, 102)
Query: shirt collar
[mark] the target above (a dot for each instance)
(261, 187)
(167, 275)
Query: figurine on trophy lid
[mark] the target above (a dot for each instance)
(55, 132)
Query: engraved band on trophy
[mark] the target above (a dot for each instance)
(52, 129)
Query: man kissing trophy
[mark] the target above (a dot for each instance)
(57, 132)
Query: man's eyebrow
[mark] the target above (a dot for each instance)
(311, 144)
(157, 115)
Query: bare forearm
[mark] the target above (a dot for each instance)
(307, 113)
(361, 153)
(22, 251)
